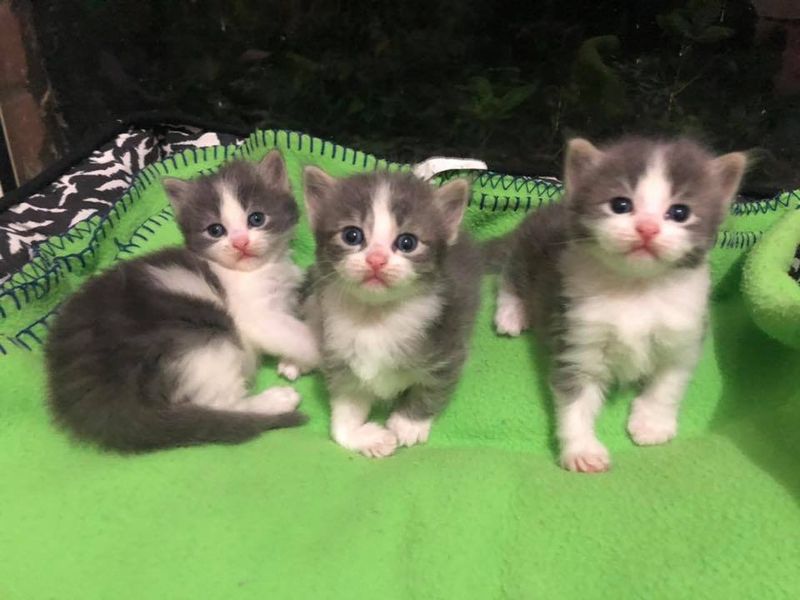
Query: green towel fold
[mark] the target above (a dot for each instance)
(481, 511)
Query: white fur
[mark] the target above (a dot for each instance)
(349, 427)
(378, 332)
(375, 340)
(213, 375)
(580, 448)
(261, 302)
(398, 272)
(617, 235)
(409, 431)
(182, 281)
(653, 193)
(511, 318)
(233, 218)
(273, 401)
(384, 230)
(627, 329)
(232, 215)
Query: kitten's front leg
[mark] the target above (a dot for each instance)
(511, 317)
(654, 414)
(577, 404)
(411, 422)
(349, 426)
(289, 338)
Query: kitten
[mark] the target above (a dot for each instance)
(157, 351)
(394, 295)
(617, 274)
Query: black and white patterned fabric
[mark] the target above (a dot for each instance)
(794, 270)
(91, 187)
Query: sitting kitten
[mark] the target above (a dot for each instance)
(157, 351)
(617, 273)
(394, 294)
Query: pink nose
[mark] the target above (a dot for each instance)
(377, 259)
(240, 242)
(647, 230)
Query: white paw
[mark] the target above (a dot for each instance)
(586, 457)
(289, 370)
(511, 318)
(649, 429)
(409, 431)
(373, 440)
(275, 401)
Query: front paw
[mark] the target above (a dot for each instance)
(409, 431)
(275, 401)
(373, 441)
(289, 370)
(587, 456)
(511, 319)
(649, 428)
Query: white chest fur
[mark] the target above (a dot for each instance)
(634, 325)
(257, 295)
(378, 343)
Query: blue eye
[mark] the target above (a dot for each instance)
(352, 236)
(406, 242)
(678, 212)
(215, 230)
(256, 219)
(621, 205)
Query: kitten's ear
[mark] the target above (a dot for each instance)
(179, 192)
(452, 200)
(729, 170)
(581, 156)
(317, 186)
(272, 169)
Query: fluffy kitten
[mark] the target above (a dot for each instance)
(394, 295)
(157, 351)
(617, 274)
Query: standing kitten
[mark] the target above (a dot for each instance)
(157, 351)
(394, 294)
(617, 272)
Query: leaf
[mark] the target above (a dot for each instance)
(516, 96)
(713, 34)
(703, 12)
(675, 23)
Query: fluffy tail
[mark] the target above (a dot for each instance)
(142, 429)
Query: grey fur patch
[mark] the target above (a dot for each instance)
(533, 266)
(453, 271)
(109, 352)
(197, 202)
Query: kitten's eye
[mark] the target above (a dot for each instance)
(406, 242)
(352, 236)
(678, 212)
(215, 230)
(256, 219)
(621, 205)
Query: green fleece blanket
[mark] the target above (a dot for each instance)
(481, 511)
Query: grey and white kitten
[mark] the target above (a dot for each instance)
(394, 295)
(157, 352)
(617, 275)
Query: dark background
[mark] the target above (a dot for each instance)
(503, 81)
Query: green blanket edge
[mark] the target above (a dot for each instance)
(712, 515)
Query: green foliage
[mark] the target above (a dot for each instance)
(414, 78)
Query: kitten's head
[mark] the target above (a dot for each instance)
(644, 206)
(240, 217)
(382, 235)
